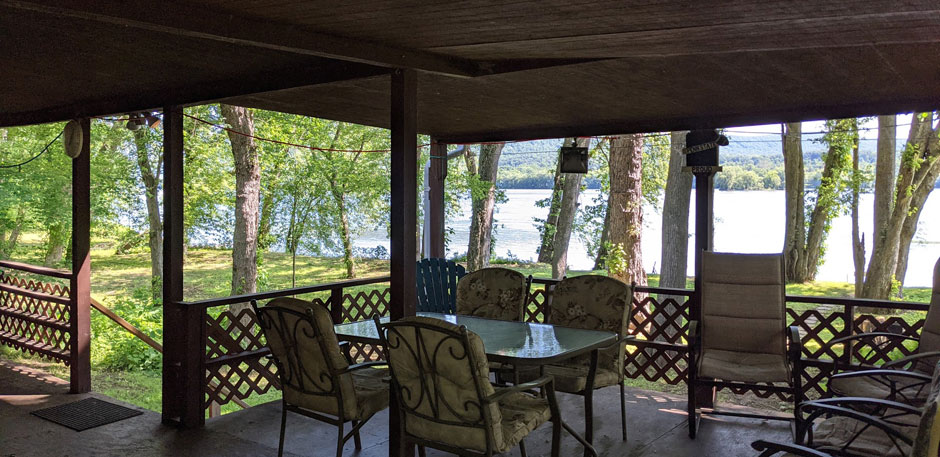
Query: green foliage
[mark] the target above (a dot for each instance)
(616, 260)
(115, 348)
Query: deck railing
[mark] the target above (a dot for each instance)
(234, 363)
(37, 311)
(236, 368)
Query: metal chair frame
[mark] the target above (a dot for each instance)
(298, 378)
(437, 403)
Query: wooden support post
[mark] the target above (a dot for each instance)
(404, 221)
(404, 187)
(704, 237)
(183, 371)
(437, 174)
(80, 282)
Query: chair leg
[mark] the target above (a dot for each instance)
(556, 437)
(339, 441)
(422, 452)
(356, 437)
(522, 447)
(588, 419)
(623, 411)
(691, 408)
(280, 442)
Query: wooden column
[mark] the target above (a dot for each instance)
(404, 187)
(704, 236)
(80, 283)
(437, 174)
(404, 222)
(183, 373)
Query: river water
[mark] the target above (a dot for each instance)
(745, 221)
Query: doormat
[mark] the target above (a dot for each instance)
(86, 414)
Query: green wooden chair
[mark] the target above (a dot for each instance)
(436, 281)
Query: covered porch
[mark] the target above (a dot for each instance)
(656, 425)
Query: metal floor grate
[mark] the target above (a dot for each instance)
(86, 414)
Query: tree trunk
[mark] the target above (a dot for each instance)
(827, 203)
(858, 239)
(7, 248)
(567, 210)
(794, 245)
(55, 245)
(247, 193)
(551, 221)
(600, 262)
(151, 180)
(917, 174)
(678, 196)
(347, 238)
(626, 209)
(483, 204)
(884, 176)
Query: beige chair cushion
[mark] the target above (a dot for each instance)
(835, 432)
(930, 334)
(494, 293)
(370, 384)
(870, 387)
(442, 387)
(593, 302)
(743, 366)
(306, 378)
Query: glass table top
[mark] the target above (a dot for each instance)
(505, 341)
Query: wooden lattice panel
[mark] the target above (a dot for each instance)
(365, 305)
(231, 334)
(35, 325)
(883, 350)
(665, 322)
(537, 308)
(817, 328)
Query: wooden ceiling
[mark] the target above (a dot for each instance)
(487, 70)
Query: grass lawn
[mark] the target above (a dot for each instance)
(122, 282)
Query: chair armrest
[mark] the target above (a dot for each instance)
(883, 373)
(911, 358)
(694, 332)
(526, 386)
(796, 342)
(817, 408)
(770, 448)
(344, 347)
(870, 335)
(360, 366)
(860, 401)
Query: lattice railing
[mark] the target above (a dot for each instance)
(35, 310)
(236, 366)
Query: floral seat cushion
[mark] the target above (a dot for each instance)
(493, 293)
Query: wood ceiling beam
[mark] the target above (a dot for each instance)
(323, 71)
(221, 26)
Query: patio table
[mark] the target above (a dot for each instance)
(518, 344)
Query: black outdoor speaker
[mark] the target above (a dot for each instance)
(701, 147)
(574, 159)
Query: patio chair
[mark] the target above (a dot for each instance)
(864, 426)
(447, 402)
(317, 380)
(436, 280)
(493, 293)
(741, 340)
(904, 380)
(591, 302)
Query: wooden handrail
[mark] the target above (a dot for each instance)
(222, 301)
(35, 269)
(41, 296)
(127, 325)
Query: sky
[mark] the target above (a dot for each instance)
(818, 126)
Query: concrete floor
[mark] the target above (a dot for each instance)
(656, 426)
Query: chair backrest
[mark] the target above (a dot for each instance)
(494, 293)
(302, 340)
(744, 303)
(436, 280)
(930, 335)
(927, 439)
(594, 302)
(443, 378)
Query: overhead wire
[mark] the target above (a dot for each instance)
(44, 149)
